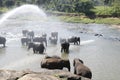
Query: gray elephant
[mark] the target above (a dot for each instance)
(40, 39)
(24, 32)
(53, 40)
(65, 47)
(55, 63)
(54, 34)
(37, 47)
(81, 69)
(25, 40)
(75, 40)
(30, 34)
(3, 41)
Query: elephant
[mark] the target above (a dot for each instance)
(25, 40)
(44, 35)
(55, 63)
(80, 69)
(75, 40)
(2, 40)
(36, 47)
(46, 57)
(40, 39)
(62, 40)
(54, 34)
(30, 34)
(53, 40)
(65, 47)
(24, 32)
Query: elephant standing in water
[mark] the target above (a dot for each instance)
(25, 40)
(3, 41)
(53, 40)
(36, 47)
(40, 39)
(81, 69)
(75, 40)
(55, 63)
(24, 32)
(54, 34)
(30, 34)
(65, 47)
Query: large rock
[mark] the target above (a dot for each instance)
(41, 75)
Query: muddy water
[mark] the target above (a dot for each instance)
(99, 53)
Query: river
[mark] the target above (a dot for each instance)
(100, 53)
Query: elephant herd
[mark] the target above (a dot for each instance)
(53, 62)
(56, 62)
(37, 43)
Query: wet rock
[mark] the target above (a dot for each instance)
(99, 35)
(38, 77)
(41, 75)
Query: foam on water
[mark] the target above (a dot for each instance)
(86, 42)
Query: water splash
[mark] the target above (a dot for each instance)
(86, 42)
(24, 9)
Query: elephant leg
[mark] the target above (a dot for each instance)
(34, 50)
(67, 50)
(61, 49)
(75, 71)
(4, 44)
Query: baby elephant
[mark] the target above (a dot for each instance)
(81, 69)
(55, 63)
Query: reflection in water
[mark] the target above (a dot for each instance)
(65, 55)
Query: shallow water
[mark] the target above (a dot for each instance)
(100, 54)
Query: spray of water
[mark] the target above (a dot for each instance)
(24, 9)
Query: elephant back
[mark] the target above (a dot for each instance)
(54, 63)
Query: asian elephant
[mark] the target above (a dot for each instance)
(30, 34)
(36, 47)
(40, 39)
(53, 40)
(3, 41)
(65, 47)
(81, 69)
(55, 63)
(54, 34)
(24, 32)
(75, 40)
(25, 40)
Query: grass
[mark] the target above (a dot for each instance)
(3, 9)
(83, 19)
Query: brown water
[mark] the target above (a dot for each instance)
(100, 54)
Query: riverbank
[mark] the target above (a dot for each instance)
(85, 20)
(81, 18)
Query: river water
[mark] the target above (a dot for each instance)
(100, 53)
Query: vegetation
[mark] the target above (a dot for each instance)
(95, 10)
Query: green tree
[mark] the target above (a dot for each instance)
(9, 3)
(116, 8)
(1, 3)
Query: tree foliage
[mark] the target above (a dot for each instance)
(76, 6)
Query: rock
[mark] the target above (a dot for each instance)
(38, 77)
(41, 75)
